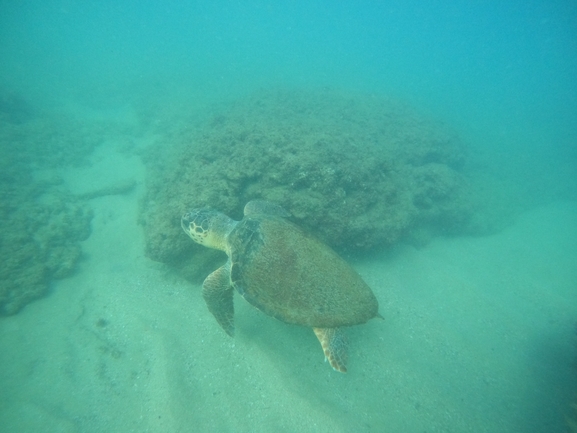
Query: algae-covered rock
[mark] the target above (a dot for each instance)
(358, 171)
(42, 223)
(39, 237)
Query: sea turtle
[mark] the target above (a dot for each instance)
(282, 271)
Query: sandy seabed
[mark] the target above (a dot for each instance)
(478, 336)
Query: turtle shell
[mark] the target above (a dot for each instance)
(294, 277)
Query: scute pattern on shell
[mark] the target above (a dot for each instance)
(294, 277)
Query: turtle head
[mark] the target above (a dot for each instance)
(207, 227)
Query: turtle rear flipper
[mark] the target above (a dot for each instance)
(217, 293)
(335, 346)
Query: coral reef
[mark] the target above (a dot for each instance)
(358, 171)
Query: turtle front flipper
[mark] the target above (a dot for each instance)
(335, 345)
(217, 293)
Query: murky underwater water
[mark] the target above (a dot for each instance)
(479, 331)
